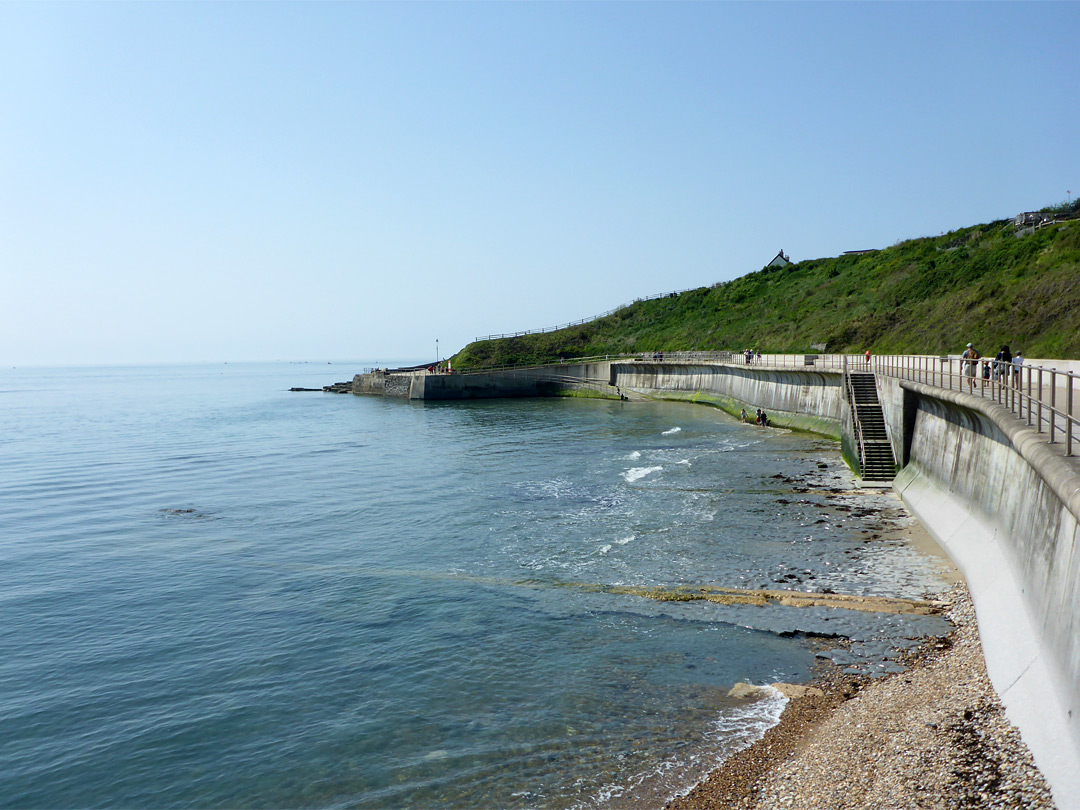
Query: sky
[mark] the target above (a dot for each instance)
(220, 182)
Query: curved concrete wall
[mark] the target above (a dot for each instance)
(1002, 504)
(807, 400)
(1006, 508)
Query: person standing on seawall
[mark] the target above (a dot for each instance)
(1018, 365)
(1002, 363)
(971, 360)
(867, 358)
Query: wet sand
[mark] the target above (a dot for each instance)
(933, 736)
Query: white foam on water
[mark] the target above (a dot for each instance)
(604, 549)
(634, 456)
(636, 473)
(685, 461)
(672, 431)
(735, 728)
(624, 540)
(750, 722)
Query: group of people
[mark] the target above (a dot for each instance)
(1003, 364)
(762, 417)
(750, 354)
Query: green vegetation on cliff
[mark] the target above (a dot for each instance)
(984, 284)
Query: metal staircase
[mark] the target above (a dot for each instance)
(875, 451)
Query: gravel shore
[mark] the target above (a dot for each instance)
(934, 736)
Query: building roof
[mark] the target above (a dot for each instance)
(780, 260)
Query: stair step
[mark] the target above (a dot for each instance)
(877, 462)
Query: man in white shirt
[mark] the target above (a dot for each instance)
(1017, 364)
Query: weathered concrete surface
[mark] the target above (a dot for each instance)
(390, 385)
(805, 400)
(474, 386)
(539, 381)
(1006, 508)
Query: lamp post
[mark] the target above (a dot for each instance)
(436, 351)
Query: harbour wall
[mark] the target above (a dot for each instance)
(540, 381)
(809, 400)
(804, 399)
(1005, 506)
(1000, 502)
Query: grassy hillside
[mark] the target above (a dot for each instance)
(933, 295)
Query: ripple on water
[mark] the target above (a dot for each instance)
(216, 592)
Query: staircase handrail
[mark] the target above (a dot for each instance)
(849, 392)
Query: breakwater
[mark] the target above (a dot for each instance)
(1003, 505)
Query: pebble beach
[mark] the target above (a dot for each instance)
(934, 736)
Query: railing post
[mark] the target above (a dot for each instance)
(1028, 397)
(1038, 423)
(1068, 415)
(1007, 383)
(1053, 403)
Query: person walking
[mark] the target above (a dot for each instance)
(970, 358)
(1017, 366)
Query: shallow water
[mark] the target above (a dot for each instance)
(219, 593)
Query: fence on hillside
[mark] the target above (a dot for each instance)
(584, 321)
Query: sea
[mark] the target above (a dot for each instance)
(218, 593)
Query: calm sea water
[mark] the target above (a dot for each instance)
(218, 593)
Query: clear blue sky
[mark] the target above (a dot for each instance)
(246, 181)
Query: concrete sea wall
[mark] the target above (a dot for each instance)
(1006, 508)
(540, 381)
(1003, 505)
(803, 399)
(996, 497)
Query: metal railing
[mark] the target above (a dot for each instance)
(849, 393)
(1045, 397)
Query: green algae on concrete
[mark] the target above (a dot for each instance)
(802, 422)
